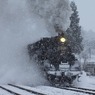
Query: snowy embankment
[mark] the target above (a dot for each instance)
(20, 26)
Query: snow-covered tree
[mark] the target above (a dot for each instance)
(74, 31)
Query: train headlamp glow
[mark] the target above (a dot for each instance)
(62, 40)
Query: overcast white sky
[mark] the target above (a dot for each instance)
(86, 10)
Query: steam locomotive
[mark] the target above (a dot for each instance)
(55, 57)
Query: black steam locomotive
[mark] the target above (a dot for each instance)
(52, 53)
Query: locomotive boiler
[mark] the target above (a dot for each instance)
(53, 54)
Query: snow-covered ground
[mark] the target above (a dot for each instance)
(86, 81)
(47, 90)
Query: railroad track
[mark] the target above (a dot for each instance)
(86, 89)
(10, 91)
(28, 90)
(81, 90)
(19, 90)
(32, 92)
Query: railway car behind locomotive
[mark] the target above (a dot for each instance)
(56, 52)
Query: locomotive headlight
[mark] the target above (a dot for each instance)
(62, 39)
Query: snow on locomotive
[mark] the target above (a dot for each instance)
(55, 56)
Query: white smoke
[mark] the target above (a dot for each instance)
(18, 28)
(53, 12)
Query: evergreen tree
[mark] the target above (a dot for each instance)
(74, 31)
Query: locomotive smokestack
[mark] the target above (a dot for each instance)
(58, 29)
